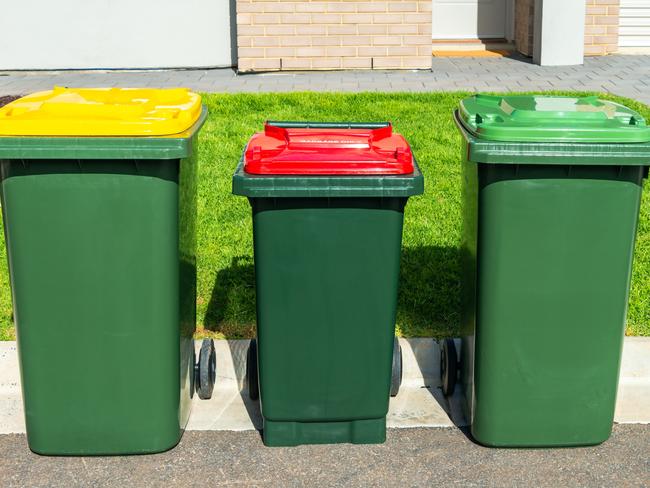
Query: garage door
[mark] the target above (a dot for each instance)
(634, 28)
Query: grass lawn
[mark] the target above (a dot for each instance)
(429, 288)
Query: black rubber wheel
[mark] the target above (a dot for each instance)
(251, 371)
(448, 366)
(396, 377)
(205, 370)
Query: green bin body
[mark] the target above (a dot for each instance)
(100, 235)
(327, 257)
(549, 230)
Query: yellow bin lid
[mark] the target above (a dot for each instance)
(101, 112)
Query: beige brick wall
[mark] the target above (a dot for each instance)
(336, 34)
(601, 27)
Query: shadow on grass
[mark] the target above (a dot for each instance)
(428, 305)
(231, 309)
(429, 292)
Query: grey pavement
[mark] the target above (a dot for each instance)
(626, 75)
(410, 457)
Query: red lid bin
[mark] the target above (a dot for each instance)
(327, 205)
(326, 151)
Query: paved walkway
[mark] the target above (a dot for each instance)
(619, 74)
(410, 457)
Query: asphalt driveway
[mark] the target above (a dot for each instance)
(410, 457)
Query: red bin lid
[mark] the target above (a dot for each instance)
(327, 151)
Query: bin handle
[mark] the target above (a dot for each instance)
(287, 124)
(279, 131)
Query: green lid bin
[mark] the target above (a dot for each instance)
(551, 191)
(328, 205)
(98, 202)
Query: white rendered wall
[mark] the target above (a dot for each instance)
(86, 34)
(559, 32)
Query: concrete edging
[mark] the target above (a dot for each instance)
(420, 402)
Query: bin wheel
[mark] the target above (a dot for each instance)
(251, 371)
(448, 366)
(205, 370)
(396, 377)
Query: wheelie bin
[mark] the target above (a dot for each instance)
(328, 205)
(552, 191)
(98, 202)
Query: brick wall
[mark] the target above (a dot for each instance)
(336, 34)
(601, 27)
(524, 25)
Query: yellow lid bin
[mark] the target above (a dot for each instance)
(101, 112)
(98, 188)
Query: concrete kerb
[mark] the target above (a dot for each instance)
(633, 399)
(420, 402)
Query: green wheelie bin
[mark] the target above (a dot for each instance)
(552, 192)
(328, 206)
(98, 203)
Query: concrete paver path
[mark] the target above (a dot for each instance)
(624, 75)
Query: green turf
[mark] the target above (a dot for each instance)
(429, 288)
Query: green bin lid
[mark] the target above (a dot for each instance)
(535, 118)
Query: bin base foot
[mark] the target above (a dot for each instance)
(367, 431)
(75, 447)
(540, 441)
